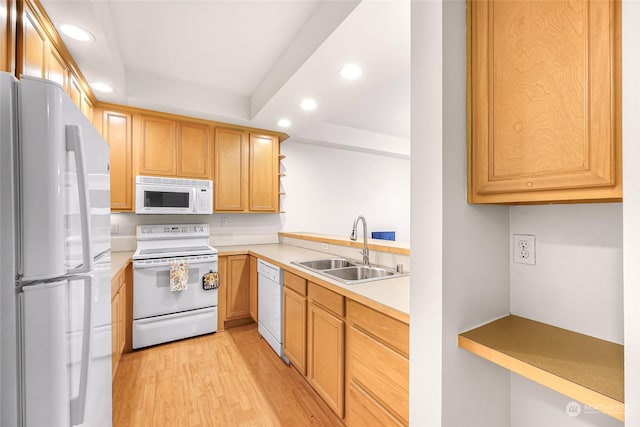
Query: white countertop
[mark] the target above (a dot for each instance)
(390, 296)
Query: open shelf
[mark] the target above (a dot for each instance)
(587, 369)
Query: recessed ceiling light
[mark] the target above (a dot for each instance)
(284, 123)
(308, 104)
(351, 72)
(77, 33)
(102, 87)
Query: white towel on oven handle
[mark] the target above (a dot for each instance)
(178, 276)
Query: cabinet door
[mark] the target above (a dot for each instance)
(86, 106)
(544, 106)
(230, 181)
(122, 307)
(56, 68)
(33, 48)
(222, 291)
(263, 173)
(116, 130)
(237, 287)
(115, 339)
(75, 93)
(7, 35)
(155, 144)
(325, 364)
(253, 288)
(194, 149)
(295, 329)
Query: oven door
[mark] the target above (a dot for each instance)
(165, 199)
(152, 295)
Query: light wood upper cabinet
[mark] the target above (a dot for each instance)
(263, 173)
(155, 145)
(56, 68)
(86, 107)
(246, 169)
(117, 131)
(193, 144)
(544, 93)
(33, 46)
(230, 170)
(171, 148)
(7, 35)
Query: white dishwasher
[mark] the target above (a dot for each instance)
(270, 305)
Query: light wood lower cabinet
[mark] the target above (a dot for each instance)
(359, 365)
(234, 299)
(120, 318)
(253, 288)
(325, 346)
(377, 368)
(294, 341)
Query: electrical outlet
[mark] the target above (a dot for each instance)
(115, 228)
(524, 249)
(325, 246)
(223, 221)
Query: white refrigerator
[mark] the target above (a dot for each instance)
(55, 293)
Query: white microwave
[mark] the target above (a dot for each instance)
(156, 195)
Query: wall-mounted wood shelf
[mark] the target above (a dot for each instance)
(587, 369)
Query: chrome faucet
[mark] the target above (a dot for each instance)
(354, 237)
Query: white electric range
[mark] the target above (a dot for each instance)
(160, 315)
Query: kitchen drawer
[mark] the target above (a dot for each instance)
(380, 370)
(326, 298)
(384, 328)
(295, 283)
(362, 410)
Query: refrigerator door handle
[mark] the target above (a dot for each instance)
(74, 143)
(79, 402)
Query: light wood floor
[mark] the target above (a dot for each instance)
(230, 378)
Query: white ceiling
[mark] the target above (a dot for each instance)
(250, 62)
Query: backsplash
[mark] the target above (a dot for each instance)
(225, 229)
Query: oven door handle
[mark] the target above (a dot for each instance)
(164, 264)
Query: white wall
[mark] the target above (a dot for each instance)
(460, 275)
(326, 188)
(631, 207)
(576, 284)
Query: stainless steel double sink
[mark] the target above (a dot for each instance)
(347, 271)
